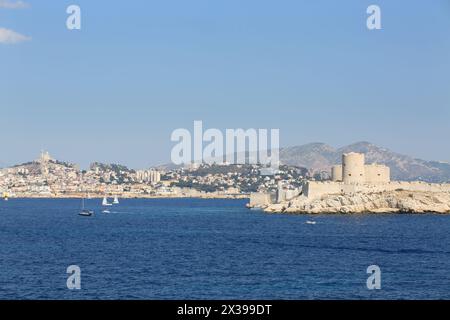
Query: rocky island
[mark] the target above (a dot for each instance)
(400, 201)
(358, 188)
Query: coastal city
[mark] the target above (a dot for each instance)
(224, 159)
(350, 187)
(47, 177)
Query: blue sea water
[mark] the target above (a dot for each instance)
(216, 249)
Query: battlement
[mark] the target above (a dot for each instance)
(316, 189)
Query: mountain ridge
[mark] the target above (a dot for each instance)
(318, 156)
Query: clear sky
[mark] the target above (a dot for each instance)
(116, 89)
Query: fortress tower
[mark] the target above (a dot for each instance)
(352, 176)
(353, 169)
(376, 173)
(336, 173)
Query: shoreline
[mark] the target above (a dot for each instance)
(387, 202)
(233, 197)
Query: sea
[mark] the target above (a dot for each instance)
(216, 249)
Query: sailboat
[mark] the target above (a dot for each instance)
(5, 196)
(116, 200)
(105, 202)
(85, 212)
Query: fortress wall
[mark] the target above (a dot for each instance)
(286, 195)
(353, 169)
(260, 199)
(419, 186)
(316, 189)
(356, 177)
(290, 194)
(376, 173)
(336, 173)
(386, 174)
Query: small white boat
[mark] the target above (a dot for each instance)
(310, 222)
(116, 200)
(105, 202)
(106, 211)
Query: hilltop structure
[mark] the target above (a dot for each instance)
(43, 161)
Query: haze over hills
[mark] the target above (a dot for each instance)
(320, 157)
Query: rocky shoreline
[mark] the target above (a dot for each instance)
(378, 202)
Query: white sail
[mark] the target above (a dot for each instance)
(116, 200)
(105, 202)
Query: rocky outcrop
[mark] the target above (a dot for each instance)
(380, 202)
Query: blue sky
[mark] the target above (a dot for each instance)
(116, 89)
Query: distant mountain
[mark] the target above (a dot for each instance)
(320, 157)
(315, 156)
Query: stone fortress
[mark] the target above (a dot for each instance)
(358, 187)
(354, 176)
(354, 170)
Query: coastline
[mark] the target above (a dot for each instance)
(79, 196)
